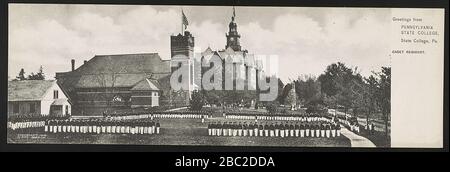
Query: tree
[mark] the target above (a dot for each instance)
(281, 97)
(106, 79)
(291, 98)
(337, 82)
(308, 91)
(371, 94)
(384, 96)
(38, 76)
(374, 95)
(21, 76)
(333, 80)
(272, 107)
(197, 101)
(284, 93)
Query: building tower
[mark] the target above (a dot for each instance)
(182, 45)
(233, 36)
(182, 53)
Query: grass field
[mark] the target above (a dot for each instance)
(174, 132)
(377, 137)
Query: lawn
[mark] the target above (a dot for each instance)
(175, 132)
(378, 138)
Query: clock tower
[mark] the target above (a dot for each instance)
(233, 36)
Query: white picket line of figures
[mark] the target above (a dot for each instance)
(25, 125)
(239, 130)
(103, 127)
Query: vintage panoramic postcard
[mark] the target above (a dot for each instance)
(225, 75)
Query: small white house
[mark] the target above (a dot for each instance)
(145, 94)
(43, 97)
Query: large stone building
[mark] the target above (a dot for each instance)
(115, 82)
(240, 70)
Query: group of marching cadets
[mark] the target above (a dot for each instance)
(279, 117)
(29, 121)
(131, 117)
(355, 128)
(182, 116)
(160, 114)
(102, 126)
(370, 127)
(25, 124)
(351, 122)
(276, 129)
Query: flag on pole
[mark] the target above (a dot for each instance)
(184, 19)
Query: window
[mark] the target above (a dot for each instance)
(55, 94)
(15, 107)
(32, 108)
(67, 110)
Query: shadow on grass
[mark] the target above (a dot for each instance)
(378, 138)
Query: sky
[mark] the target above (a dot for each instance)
(306, 40)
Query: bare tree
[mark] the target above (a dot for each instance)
(107, 80)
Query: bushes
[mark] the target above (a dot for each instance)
(197, 101)
(272, 107)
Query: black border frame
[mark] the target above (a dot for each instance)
(225, 149)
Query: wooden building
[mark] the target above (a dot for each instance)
(42, 97)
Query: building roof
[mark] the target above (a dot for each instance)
(28, 90)
(122, 70)
(207, 51)
(146, 85)
(109, 80)
(125, 63)
(232, 56)
(60, 102)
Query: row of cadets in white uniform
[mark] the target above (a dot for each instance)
(279, 118)
(25, 125)
(103, 126)
(323, 129)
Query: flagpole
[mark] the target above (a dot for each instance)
(182, 27)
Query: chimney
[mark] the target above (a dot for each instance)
(73, 64)
(85, 62)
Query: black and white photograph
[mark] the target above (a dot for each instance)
(206, 75)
